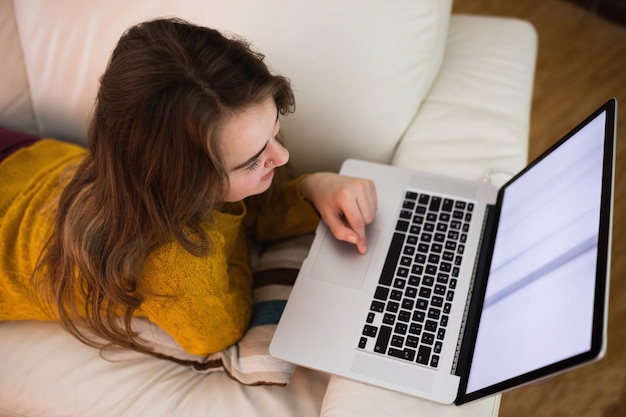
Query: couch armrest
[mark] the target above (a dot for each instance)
(476, 116)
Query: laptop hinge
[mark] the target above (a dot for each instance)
(481, 266)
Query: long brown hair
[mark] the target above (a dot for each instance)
(153, 173)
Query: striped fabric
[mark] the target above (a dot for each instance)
(249, 361)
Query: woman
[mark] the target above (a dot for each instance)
(152, 220)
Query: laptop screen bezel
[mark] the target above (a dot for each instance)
(598, 336)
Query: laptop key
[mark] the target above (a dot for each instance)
(428, 338)
(434, 313)
(386, 276)
(406, 354)
(435, 203)
(397, 341)
(411, 195)
(370, 331)
(434, 362)
(431, 325)
(419, 316)
(362, 342)
(389, 319)
(377, 306)
(393, 307)
(400, 328)
(410, 292)
(396, 295)
(437, 301)
(425, 292)
(415, 328)
(402, 226)
(404, 316)
(383, 339)
(412, 341)
(381, 293)
(423, 355)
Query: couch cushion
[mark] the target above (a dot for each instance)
(360, 69)
(46, 372)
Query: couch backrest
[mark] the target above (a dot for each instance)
(360, 68)
(16, 107)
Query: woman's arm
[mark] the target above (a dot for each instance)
(203, 303)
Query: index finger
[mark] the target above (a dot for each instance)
(357, 216)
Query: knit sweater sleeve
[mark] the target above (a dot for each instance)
(285, 214)
(203, 303)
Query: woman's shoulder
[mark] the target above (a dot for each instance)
(37, 166)
(42, 154)
(54, 148)
(39, 160)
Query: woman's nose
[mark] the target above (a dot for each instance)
(279, 155)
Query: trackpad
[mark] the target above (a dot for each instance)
(341, 263)
(393, 372)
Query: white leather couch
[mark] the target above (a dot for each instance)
(401, 82)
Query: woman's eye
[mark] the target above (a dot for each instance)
(253, 166)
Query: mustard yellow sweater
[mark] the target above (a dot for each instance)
(210, 300)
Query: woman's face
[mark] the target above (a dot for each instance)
(251, 151)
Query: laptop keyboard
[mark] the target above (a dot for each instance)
(412, 302)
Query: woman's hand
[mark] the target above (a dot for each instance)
(346, 204)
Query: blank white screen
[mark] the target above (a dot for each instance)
(539, 298)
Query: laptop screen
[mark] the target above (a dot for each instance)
(544, 301)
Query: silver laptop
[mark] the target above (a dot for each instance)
(465, 291)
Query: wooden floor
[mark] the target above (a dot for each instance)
(581, 63)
